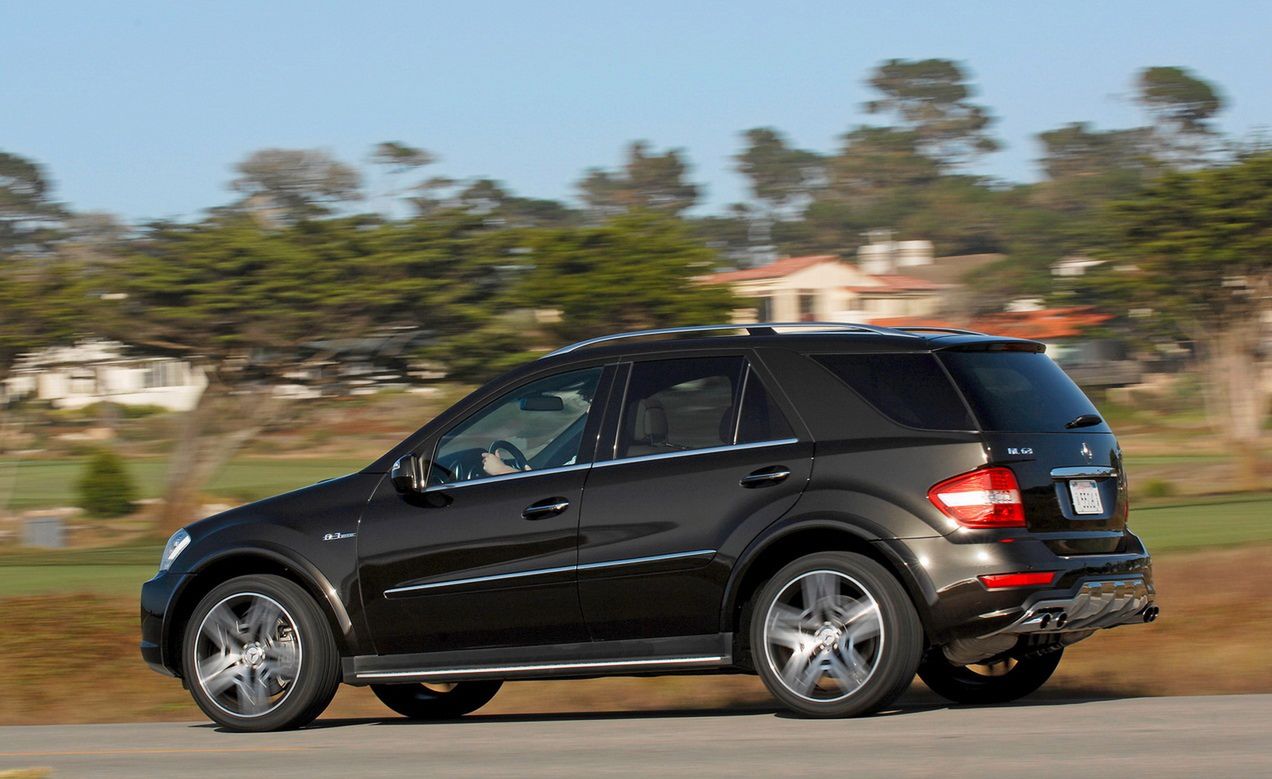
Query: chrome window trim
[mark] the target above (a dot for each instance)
(505, 669)
(545, 571)
(692, 452)
(507, 477)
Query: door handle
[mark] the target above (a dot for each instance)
(765, 476)
(545, 508)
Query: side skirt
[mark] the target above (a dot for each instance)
(652, 656)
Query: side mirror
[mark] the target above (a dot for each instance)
(407, 474)
(542, 403)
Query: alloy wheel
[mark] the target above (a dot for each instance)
(248, 654)
(823, 636)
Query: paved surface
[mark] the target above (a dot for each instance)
(1159, 737)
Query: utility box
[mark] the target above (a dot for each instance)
(45, 532)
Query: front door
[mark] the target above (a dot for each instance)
(702, 454)
(486, 555)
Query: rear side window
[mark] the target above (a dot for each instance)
(1019, 392)
(908, 388)
(680, 405)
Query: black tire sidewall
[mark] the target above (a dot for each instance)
(903, 636)
(318, 677)
(415, 701)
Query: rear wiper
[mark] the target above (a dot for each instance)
(1086, 420)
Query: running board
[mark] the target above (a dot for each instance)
(677, 654)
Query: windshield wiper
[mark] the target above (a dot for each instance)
(1085, 420)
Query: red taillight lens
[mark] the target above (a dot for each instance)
(1001, 581)
(987, 497)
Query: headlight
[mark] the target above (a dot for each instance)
(179, 541)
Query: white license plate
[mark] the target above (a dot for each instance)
(1086, 497)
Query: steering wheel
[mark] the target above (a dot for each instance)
(518, 458)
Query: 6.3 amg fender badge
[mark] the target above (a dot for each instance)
(337, 536)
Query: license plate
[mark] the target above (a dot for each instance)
(1086, 497)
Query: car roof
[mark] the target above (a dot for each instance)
(846, 337)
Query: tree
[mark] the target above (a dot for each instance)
(1199, 247)
(1182, 106)
(636, 271)
(29, 217)
(289, 185)
(250, 306)
(648, 181)
(932, 99)
(782, 177)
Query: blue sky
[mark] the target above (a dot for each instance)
(141, 108)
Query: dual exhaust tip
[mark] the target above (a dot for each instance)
(1053, 620)
(1150, 614)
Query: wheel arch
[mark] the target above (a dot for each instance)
(246, 561)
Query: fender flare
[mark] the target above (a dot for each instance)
(311, 578)
(863, 531)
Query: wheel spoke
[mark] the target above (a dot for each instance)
(787, 628)
(283, 660)
(262, 619)
(820, 592)
(221, 627)
(218, 674)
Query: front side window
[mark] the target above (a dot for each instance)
(680, 405)
(536, 426)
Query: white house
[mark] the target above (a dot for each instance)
(825, 288)
(99, 371)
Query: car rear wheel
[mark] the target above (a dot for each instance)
(834, 634)
(984, 683)
(436, 701)
(259, 655)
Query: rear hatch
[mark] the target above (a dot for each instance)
(1038, 423)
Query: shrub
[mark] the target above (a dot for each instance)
(106, 489)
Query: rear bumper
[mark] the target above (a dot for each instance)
(1102, 603)
(955, 605)
(157, 597)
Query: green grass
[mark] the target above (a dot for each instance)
(47, 483)
(1196, 525)
(105, 580)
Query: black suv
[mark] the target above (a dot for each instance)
(830, 506)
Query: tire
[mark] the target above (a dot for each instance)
(850, 651)
(259, 655)
(429, 702)
(985, 684)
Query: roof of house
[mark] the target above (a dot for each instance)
(895, 282)
(953, 269)
(783, 267)
(1041, 325)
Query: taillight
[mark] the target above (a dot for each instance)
(1001, 581)
(986, 497)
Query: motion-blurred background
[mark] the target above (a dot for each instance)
(244, 248)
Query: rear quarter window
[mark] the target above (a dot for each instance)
(910, 388)
(1019, 392)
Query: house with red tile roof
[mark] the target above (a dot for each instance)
(825, 288)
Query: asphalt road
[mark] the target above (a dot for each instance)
(1159, 737)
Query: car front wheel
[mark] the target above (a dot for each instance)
(259, 655)
(834, 634)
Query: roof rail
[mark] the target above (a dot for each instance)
(933, 329)
(754, 328)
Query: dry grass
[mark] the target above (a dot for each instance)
(74, 658)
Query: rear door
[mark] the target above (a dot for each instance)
(700, 449)
(1042, 426)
